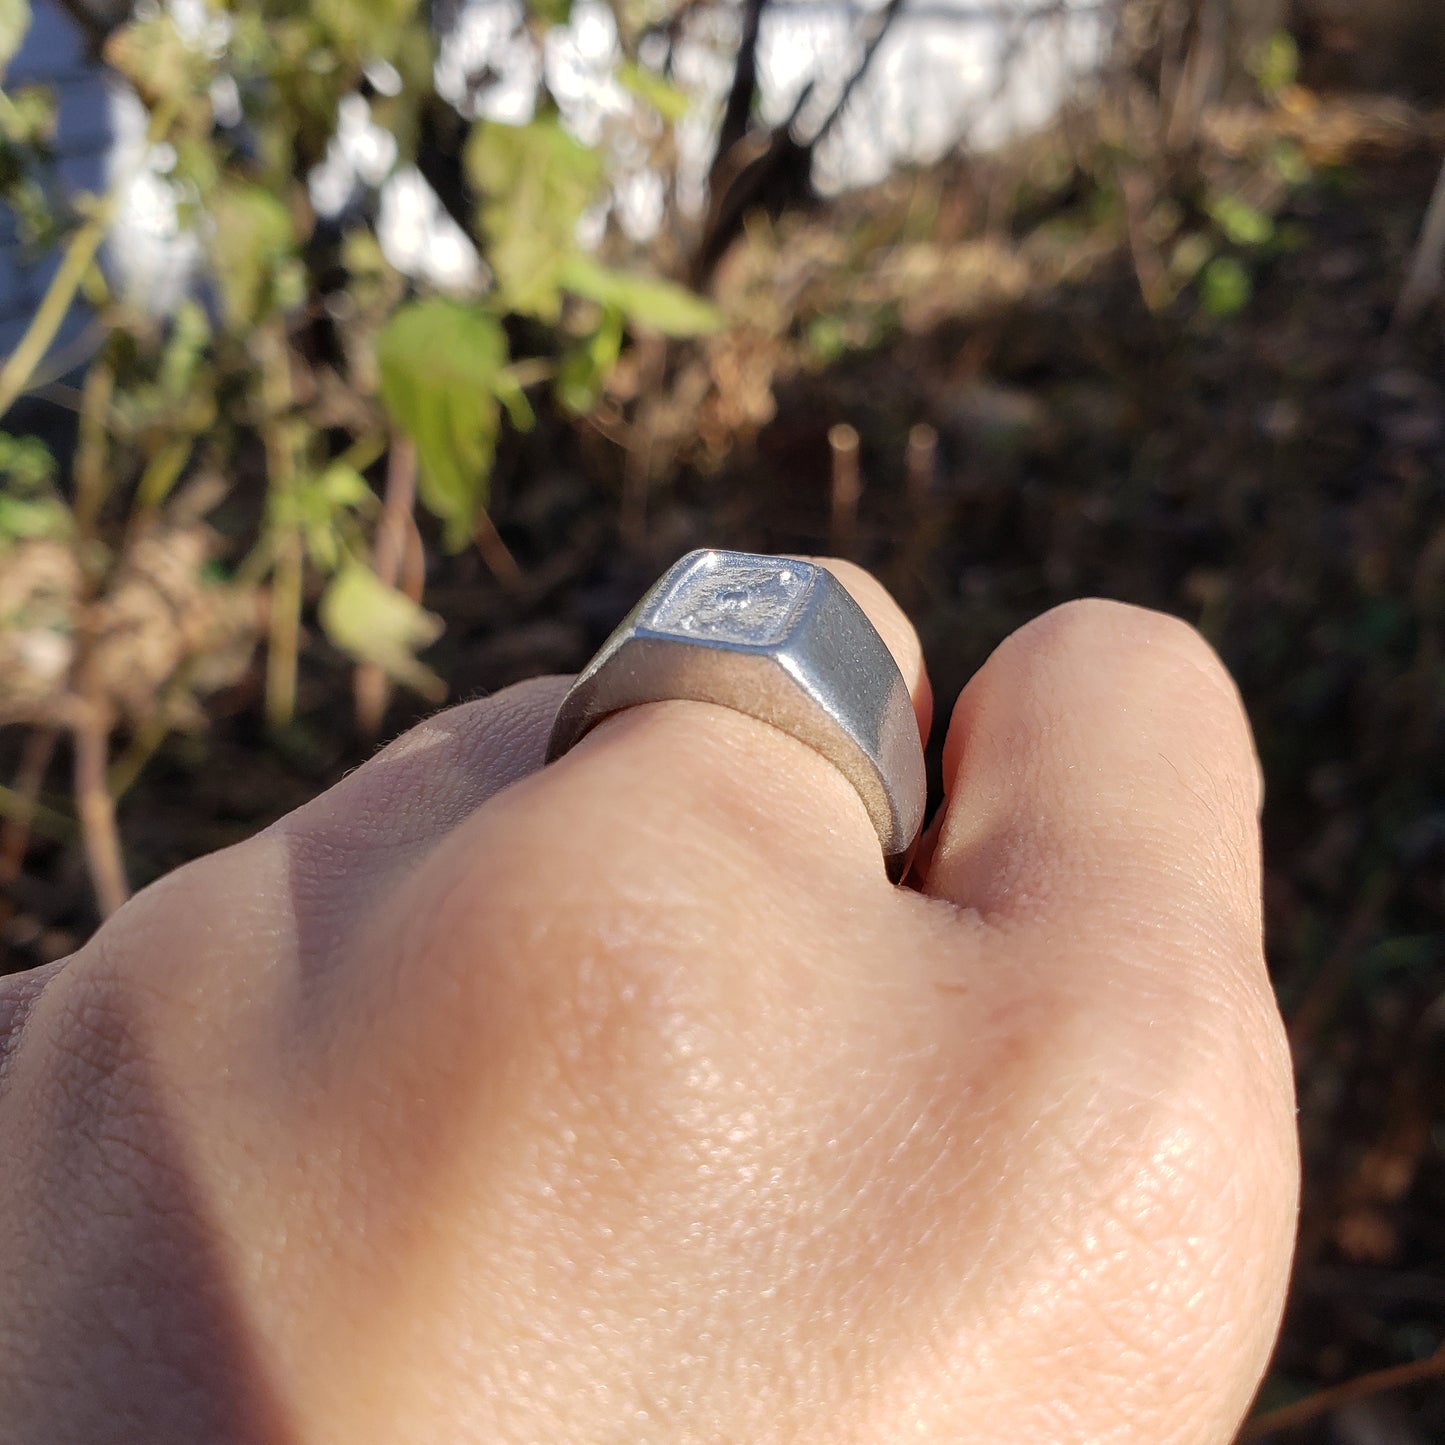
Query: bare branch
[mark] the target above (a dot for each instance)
(847, 488)
(771, 170)
(35, 758)
(93, 801)
(739, 105)
(95, 22)
(882, 26)
(1427, 267)
(369, 685)
(1396, 1377)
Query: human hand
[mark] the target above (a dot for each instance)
(627, 1101)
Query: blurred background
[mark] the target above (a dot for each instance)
(360, 355)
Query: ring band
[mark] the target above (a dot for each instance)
(781, 641)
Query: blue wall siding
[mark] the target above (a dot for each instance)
(54, 55)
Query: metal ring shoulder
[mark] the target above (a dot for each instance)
(781, 641)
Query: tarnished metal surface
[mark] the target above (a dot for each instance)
(783, 642)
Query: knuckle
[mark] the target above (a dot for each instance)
(1208, 1210)
(1166, 1208)
(1181, 1239)
(97, 1083)
(1207, 1185)
(1173, 1131)
(98, 1025)
(1099, 656)
(19, 995)
(1151, 645)
(588, 982)
(432, 777)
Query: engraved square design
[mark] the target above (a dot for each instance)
(733, 599)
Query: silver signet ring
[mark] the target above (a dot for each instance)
(783, 642)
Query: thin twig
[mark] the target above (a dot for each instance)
(146, 738)
(288, 548)
(847, 487)
(45, 381)
(42, 817)
(1427, 266)
(1200, 80)
(96, 807)
(1149, 268)
(162, 472)
(1395, 1377)
(640, 442)
(21, 805)
(122, 774)
(495, 552)
(55, 305)
(284, 643)
(92, 453)
(413, 561)
(91, 715)
(881, 26)
(370, 690)
(922, 462)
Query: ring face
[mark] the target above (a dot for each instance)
(783, 642)
(731, 598)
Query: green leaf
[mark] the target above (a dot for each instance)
(643, 300)
(650, 88)
(185, 348)
(554, 12)
(514, 402)
(29, 117)
(14, 23)
(1276, 64)
(157, 60)
(252, 242)
(24, 518)
(441, 365)
(365, 29)
(323, 507)
(29, 506)
(535, 181)
(1193, 253)
(362, 255)
(584, 370)
(1242, 223)
(344, 487)
(829, 338)
(1290, 164)
(26, 463)
(375, 623)
(1225, 287)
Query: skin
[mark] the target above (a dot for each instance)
(627, 1100)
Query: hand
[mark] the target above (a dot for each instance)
(626, 1100)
